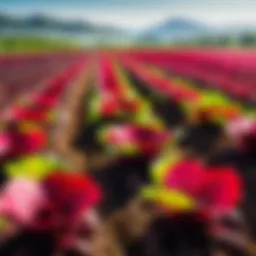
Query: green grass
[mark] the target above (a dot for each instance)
(9, 45)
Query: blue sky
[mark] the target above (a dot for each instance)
(138, 13)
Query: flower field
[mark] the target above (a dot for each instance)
(174, 110)
(219, 83)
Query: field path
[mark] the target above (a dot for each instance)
(69, 121)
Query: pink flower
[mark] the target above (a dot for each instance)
(5, 144)
(21, 200)
(239, 127)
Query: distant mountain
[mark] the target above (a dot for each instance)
(40, 21)
(171, 31)
(185, 31)
(175, 29)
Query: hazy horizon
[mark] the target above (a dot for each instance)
(139, 14)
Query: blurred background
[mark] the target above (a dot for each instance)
(31, 24)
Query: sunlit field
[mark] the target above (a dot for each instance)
(158, 117)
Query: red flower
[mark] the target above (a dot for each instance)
(217, 190)
(21, 143)
(221, 190)
(35, 141)
(27, 113)
(149, 140)
(71, 193)
(186, 175)
(109, 108)
(45, 101)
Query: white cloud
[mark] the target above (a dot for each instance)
(143, 18)
(136, 17)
